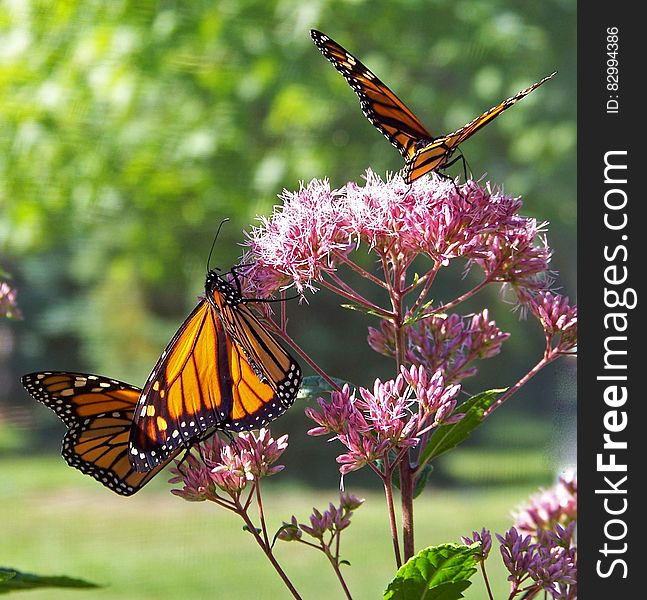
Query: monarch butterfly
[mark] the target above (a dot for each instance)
(222, 370)
(421, 150)
(98, 413)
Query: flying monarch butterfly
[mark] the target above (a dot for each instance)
(221, 370)
(421, 150)
(98, 412)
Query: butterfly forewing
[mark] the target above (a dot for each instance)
(378, 102)
(222, 370)
(187, 394)
(98, 412)
(270, 377)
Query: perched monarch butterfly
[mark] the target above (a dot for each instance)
(422, 151)
(98, 413)
(222, 370)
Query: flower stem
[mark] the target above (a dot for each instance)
(388, 492)
(462, 298)
(261, 514)
(363, 272)
(302, 353)
(427, 279)
(335, 566)
(487, 581)
(406, 498)
(406, 472)
(356, 298)
(267, 551)
(546, 360)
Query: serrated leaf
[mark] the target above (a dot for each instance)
(436, 573)
(449, 436)
(314, 386)
(12, 581)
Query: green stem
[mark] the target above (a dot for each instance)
(267, 550)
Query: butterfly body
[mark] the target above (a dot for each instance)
(222, 370)
(422, 151)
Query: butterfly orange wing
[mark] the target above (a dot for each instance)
(222, 370)
(379, 104)
(98, 412)
(436, 154)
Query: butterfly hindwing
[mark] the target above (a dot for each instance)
(98, 412)
(255, 349)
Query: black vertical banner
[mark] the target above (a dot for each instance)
(612, 351)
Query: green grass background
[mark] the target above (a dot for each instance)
(154, 545)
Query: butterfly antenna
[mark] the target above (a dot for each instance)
(213, 245)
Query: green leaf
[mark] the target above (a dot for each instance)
(314, 386)
(283, 527)
(12, 581)
(449, 436)
(248, 528)
(436, 573)
(421, 314)
(365, 310)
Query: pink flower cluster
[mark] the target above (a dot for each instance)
(390, 418)
(556, 505)
(448, 343)
(8, 305)
(332, 521)
(484, 537)
(316, 228)
(548, 562)
(227, 467)
(558, 318)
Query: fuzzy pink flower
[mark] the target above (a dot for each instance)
(434, 397)
(196, 480)
(263, 451)
(337, 414)
(386, 410)
(484, 537)
(389, 418)
(516, 253)
(301, 237)
(331, 521)
(228, 467)
(316, 228)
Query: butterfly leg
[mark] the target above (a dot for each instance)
(462, 159)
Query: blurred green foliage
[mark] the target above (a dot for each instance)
(130, 129)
